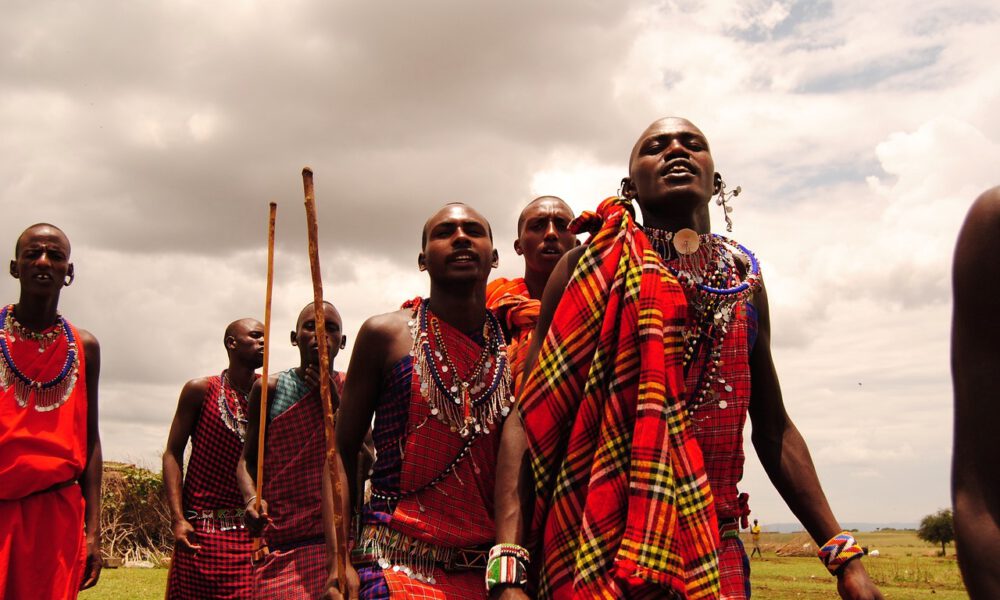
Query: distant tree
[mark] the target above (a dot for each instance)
(937, 528)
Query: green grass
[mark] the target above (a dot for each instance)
(907, 569)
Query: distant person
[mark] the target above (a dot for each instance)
(755, 534)
(295, 567)
(543, 236)
(50, 444)
(975, 364)
(212, 545)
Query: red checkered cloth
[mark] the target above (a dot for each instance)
(294, 574)
(221, 568)
(519, 313)
(623, 506)
(294, 457)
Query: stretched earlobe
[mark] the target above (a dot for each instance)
(496, 259)
(343, 342)
(421, 262)
(13, 270)
(718, 183)
(294, 341)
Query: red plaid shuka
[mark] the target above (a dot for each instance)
(221, 568)
(623, 506)
(519, 313)
(294, 457)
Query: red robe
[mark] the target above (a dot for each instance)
(42, 455)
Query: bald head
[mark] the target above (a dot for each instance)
(658, 126)
(308, 312)
(41, 229)
(551, 200)
(445, 210)
(241, 326)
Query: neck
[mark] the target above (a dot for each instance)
(240, 375)
(535, 282)
(462, 308)
(36, 313)
(698, 220)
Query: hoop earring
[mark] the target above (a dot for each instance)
(725, 197)
(68, 280)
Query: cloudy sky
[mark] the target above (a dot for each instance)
(155, 133)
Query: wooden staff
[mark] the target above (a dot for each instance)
(264, 373)
(340, 557)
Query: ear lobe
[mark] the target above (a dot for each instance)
(231, 342)
(421, 262)
(343, 342)
(496, 259)
(627, 188)
(294, 341)
(517, 247)
(13, 270)
(718, 182)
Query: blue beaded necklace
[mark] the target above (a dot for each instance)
(49, 395)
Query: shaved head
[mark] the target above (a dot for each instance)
(524, 211)
(309, 312)
(433, 219)
(40, 228)
(239, 326)
(655, 126)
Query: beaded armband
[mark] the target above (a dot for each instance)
(840, 550)
(507, 565)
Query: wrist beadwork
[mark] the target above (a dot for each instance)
(838, 551)
(507, 565)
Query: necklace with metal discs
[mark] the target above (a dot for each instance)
(714, 285)
(50, 394)
(469, 405)
(231, 407)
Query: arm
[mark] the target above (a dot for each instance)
(188, 410)
(786, 459)
(514, 492)
(974, 360)
(90, 482)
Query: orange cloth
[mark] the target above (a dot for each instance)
(519, 313)
(41, 532)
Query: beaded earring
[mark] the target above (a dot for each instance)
(723, 198)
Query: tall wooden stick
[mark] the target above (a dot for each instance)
(340, 559)
(264, 372)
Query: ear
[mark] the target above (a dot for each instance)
(496, 259)
(628, 188)
(718, 183)
(343, 342)
(421, 262)
(13, 269)
(517, 247)
(230, 342)
(70, 271)
(294, 341)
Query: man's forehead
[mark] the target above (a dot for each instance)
(670, 125)
(43, 235)
(454, 214)
(545, 206)
(308, 313)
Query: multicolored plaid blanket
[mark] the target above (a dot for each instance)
(623, 507)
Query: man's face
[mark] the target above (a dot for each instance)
(247, 342)
(672, 156)
(544, 235)
(458, 246)
(304, 335)
(42, 261)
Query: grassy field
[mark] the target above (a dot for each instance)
(907, 569)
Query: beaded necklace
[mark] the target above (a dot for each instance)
(234, 420)
(714, 287)
(467, 406)
(51, 394)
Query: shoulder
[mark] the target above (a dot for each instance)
(88, 342)
(201, 385)
(386, 327)
(981, 225)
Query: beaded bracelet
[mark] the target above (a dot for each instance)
(840, 550)
(507, 565)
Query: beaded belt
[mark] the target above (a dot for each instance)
(414, 558)
(729, 529)
(223, 519)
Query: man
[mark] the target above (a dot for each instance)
(656, 347)
(434, 375)
(975, 357)
(543, 236)
(755, 535)
(295, 566)
(50, 446)
(212, 546)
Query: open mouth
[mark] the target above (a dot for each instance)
(678, 168)
(551, 252)
(462, 258)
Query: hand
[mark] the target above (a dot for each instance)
(853, 583)
(311, 377)
(509, 592)
(331, 587)
(257, 521)
(92, 568)
(184, 536)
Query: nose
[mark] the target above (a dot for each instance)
(550, 232)
(461, 239)
(675, 147)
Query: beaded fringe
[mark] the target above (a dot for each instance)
(401, 553)
(46, 399)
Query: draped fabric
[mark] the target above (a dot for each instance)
(221, 568)
(519, 313)
(623, 507)
(412, 448)
(42, 453)
(294, 458)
